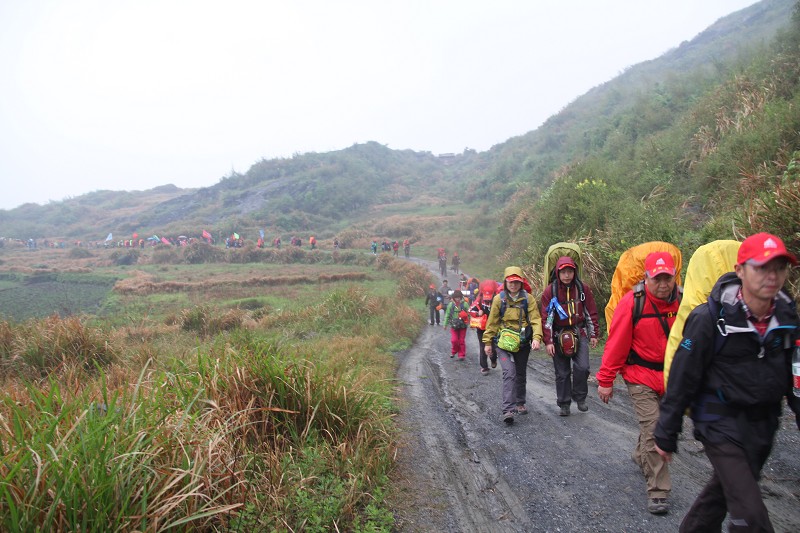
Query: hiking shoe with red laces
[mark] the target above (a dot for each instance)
(508, 417)
(485, 371)
(522, 410)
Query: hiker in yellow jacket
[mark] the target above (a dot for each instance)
(515, 322)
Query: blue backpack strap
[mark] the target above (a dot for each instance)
(504, 304)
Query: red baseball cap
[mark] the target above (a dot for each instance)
(659, 263)
(565, 262)
(761, 248)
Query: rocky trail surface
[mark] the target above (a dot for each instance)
(460, 468)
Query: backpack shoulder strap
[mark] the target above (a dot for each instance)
(718, 314)
(504, 303)
(579, 284)
(638, 301)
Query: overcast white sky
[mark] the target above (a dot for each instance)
(129, 95)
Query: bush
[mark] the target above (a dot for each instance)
(79, 253)
(202, 320)
(123, 257)
(39, 347)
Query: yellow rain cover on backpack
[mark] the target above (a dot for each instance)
(561, 249)
(630, 271)
(706, 265)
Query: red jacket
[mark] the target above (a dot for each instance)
(569, 298)
(647, 339)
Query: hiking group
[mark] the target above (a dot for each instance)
(721, 349)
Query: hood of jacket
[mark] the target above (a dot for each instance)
(565, 261)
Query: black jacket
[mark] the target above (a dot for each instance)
(433, 298)
(735, 393)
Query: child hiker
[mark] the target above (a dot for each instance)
(457, 317)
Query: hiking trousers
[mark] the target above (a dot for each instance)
(572, 373)
(515, 376)
(733, 488)
(434, 315)
(482, 358)
(646, 403)
(458, 342)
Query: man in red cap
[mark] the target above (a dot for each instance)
(570, 328)
(635, 349)
(733, 367)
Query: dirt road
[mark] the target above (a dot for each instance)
(462, 469)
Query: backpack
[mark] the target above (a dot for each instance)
(630, 271)
(561, 249)
(708, 263)
(504, 303)
(456, 322)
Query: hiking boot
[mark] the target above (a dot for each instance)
(452, 355)
(522, 410)
(657, 505)
(582, 407)
(485, 371)
(494, 362)
(508, 417)
(564, 410)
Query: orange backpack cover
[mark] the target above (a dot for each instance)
(630, 271)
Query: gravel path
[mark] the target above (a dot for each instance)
(460, 468)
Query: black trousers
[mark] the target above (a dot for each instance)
(434, 314)
(733, 488)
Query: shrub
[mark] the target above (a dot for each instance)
(78, 253)
(44, 346)
(201, 319)
(124, 257)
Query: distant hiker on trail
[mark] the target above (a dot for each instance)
(635, 349)
(442, 262)
(479, 311)
(312, 241)
(395, 247)
(433, 299)
(733, 368)
(570, 328)
(472, 284)
(515, 325)
(277, 242)
(335, 243)
(456, 261)
(407, 248)
(444, 290)
(456, 316)
(374, 247)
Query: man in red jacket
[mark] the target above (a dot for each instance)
(635, 349)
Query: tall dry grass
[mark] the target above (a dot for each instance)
(222, 421)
